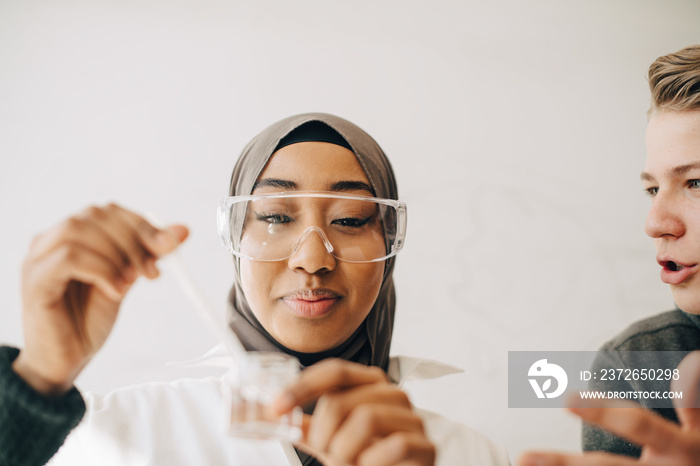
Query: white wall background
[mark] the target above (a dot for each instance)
(515, 128)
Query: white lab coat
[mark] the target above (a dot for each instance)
(182, 423)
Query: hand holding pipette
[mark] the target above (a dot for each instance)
(74, 279)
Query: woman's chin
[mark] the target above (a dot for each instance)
(305, 347)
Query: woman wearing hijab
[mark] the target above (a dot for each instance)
(314, 224)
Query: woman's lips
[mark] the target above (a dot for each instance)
(675, 273)
(311, 303)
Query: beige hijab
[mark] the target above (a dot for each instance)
(370, 343)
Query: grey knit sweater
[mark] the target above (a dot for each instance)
(670, 331)
(32, 426)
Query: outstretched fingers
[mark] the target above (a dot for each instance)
(630, 421)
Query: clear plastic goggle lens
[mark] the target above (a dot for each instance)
(271, 227)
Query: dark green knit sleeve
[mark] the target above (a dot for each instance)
(32, 427)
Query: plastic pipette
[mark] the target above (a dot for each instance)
(198, 300)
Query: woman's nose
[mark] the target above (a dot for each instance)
(665, 217)
(313, 252)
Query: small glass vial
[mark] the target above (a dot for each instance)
(253, 384)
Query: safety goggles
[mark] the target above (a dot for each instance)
(272, 227)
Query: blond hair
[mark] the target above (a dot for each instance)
(674, 81)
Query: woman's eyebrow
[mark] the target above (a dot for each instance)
(291, 185)
(352, 186)
(274, 183)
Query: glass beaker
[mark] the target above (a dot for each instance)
(256, 381)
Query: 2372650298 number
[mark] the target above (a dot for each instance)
(639, 374)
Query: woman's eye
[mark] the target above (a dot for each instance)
(652, 191)
(351, 222)
(273, 218)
